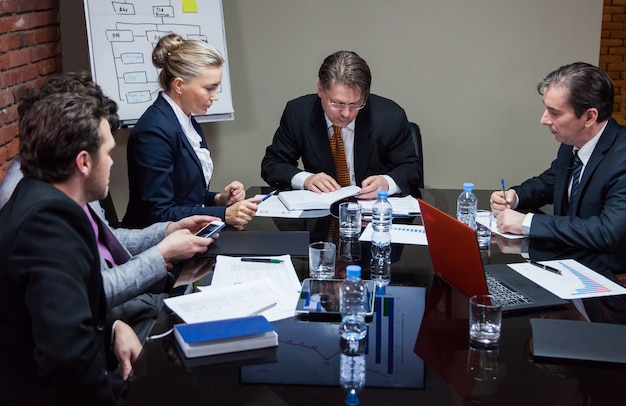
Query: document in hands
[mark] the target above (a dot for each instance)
(307, 200)
(223, 336)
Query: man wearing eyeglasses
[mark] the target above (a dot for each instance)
(344, 136)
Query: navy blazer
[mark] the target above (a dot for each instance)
(52, 306)
(382, 144)
(599, 222)
(165, 177)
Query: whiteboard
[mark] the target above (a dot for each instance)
(122, 35)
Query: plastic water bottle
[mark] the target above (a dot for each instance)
(352, 370)
(380, 264)
(466, 205)
(352, 299)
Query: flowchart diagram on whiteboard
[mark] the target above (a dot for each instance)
(122, 35)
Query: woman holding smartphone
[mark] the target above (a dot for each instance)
(169, 164)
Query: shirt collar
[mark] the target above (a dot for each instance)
(585, 152)
(329, 124)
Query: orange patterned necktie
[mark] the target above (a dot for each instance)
(339, 155)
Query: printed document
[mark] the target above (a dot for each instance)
(261, 296)
(575, 282)
(400, 234)
(402, 206)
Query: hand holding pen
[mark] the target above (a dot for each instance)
(500, 200)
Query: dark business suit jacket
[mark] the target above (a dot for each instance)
(382, 144)
(599, 222)
(165, 176)
(52, 305)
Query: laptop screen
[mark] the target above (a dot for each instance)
(454, 251)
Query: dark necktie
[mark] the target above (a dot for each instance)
(339, 156)
(577, 167)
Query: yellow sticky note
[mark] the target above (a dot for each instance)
(190, 6)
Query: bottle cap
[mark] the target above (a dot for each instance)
(468, 186)
(353, 271)
(383, 194)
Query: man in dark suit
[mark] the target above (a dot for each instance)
(373, 133)
(586, 182)
(56, 342)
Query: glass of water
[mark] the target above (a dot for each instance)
(322, 260)
(485, 319)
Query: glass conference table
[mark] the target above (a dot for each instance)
(417, 344)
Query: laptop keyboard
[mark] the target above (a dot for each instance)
(504, 294)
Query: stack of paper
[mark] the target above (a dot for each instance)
(241, 289)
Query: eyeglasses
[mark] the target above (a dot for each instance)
(342, 106)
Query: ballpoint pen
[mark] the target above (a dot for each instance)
(546, 267)
(262, 309)
(504, 193)
(265, 260)
(267, 196)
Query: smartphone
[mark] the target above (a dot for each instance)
(210, 229)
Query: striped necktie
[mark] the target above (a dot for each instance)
(339, 156)
(577, 168)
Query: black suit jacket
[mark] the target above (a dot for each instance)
(165, 177)
(382, 144)
(52, 305)
(599, 222)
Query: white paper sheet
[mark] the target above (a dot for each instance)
(494, 229)
(575, 282)
(231, 271)
(273, 207)
(227, 302)
(402, 206)
(400, 234)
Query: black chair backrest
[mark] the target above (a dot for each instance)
(416, 136)
(109, 211)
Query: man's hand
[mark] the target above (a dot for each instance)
(232, 193)
(181, 245)
(241, 212)
(371, 185)
(321, 183)
(508, 245)
(510, 221)
(191, 223)
(497, 202)
(126, 347)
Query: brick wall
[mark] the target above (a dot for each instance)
(30, 51)
(613, 51)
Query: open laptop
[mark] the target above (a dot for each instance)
(456, 258)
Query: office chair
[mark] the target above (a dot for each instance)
(416, 137)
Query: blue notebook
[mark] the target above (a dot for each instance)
(223, 336)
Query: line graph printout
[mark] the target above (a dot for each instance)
(122, 35)
(309, 352)
(575, 282)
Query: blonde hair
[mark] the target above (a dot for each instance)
(181, 58)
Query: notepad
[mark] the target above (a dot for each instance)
(307, 200)
(578, 340)
(224, 336)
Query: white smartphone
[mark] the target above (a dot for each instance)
(210, 229)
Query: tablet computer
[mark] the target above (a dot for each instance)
(321, 297)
